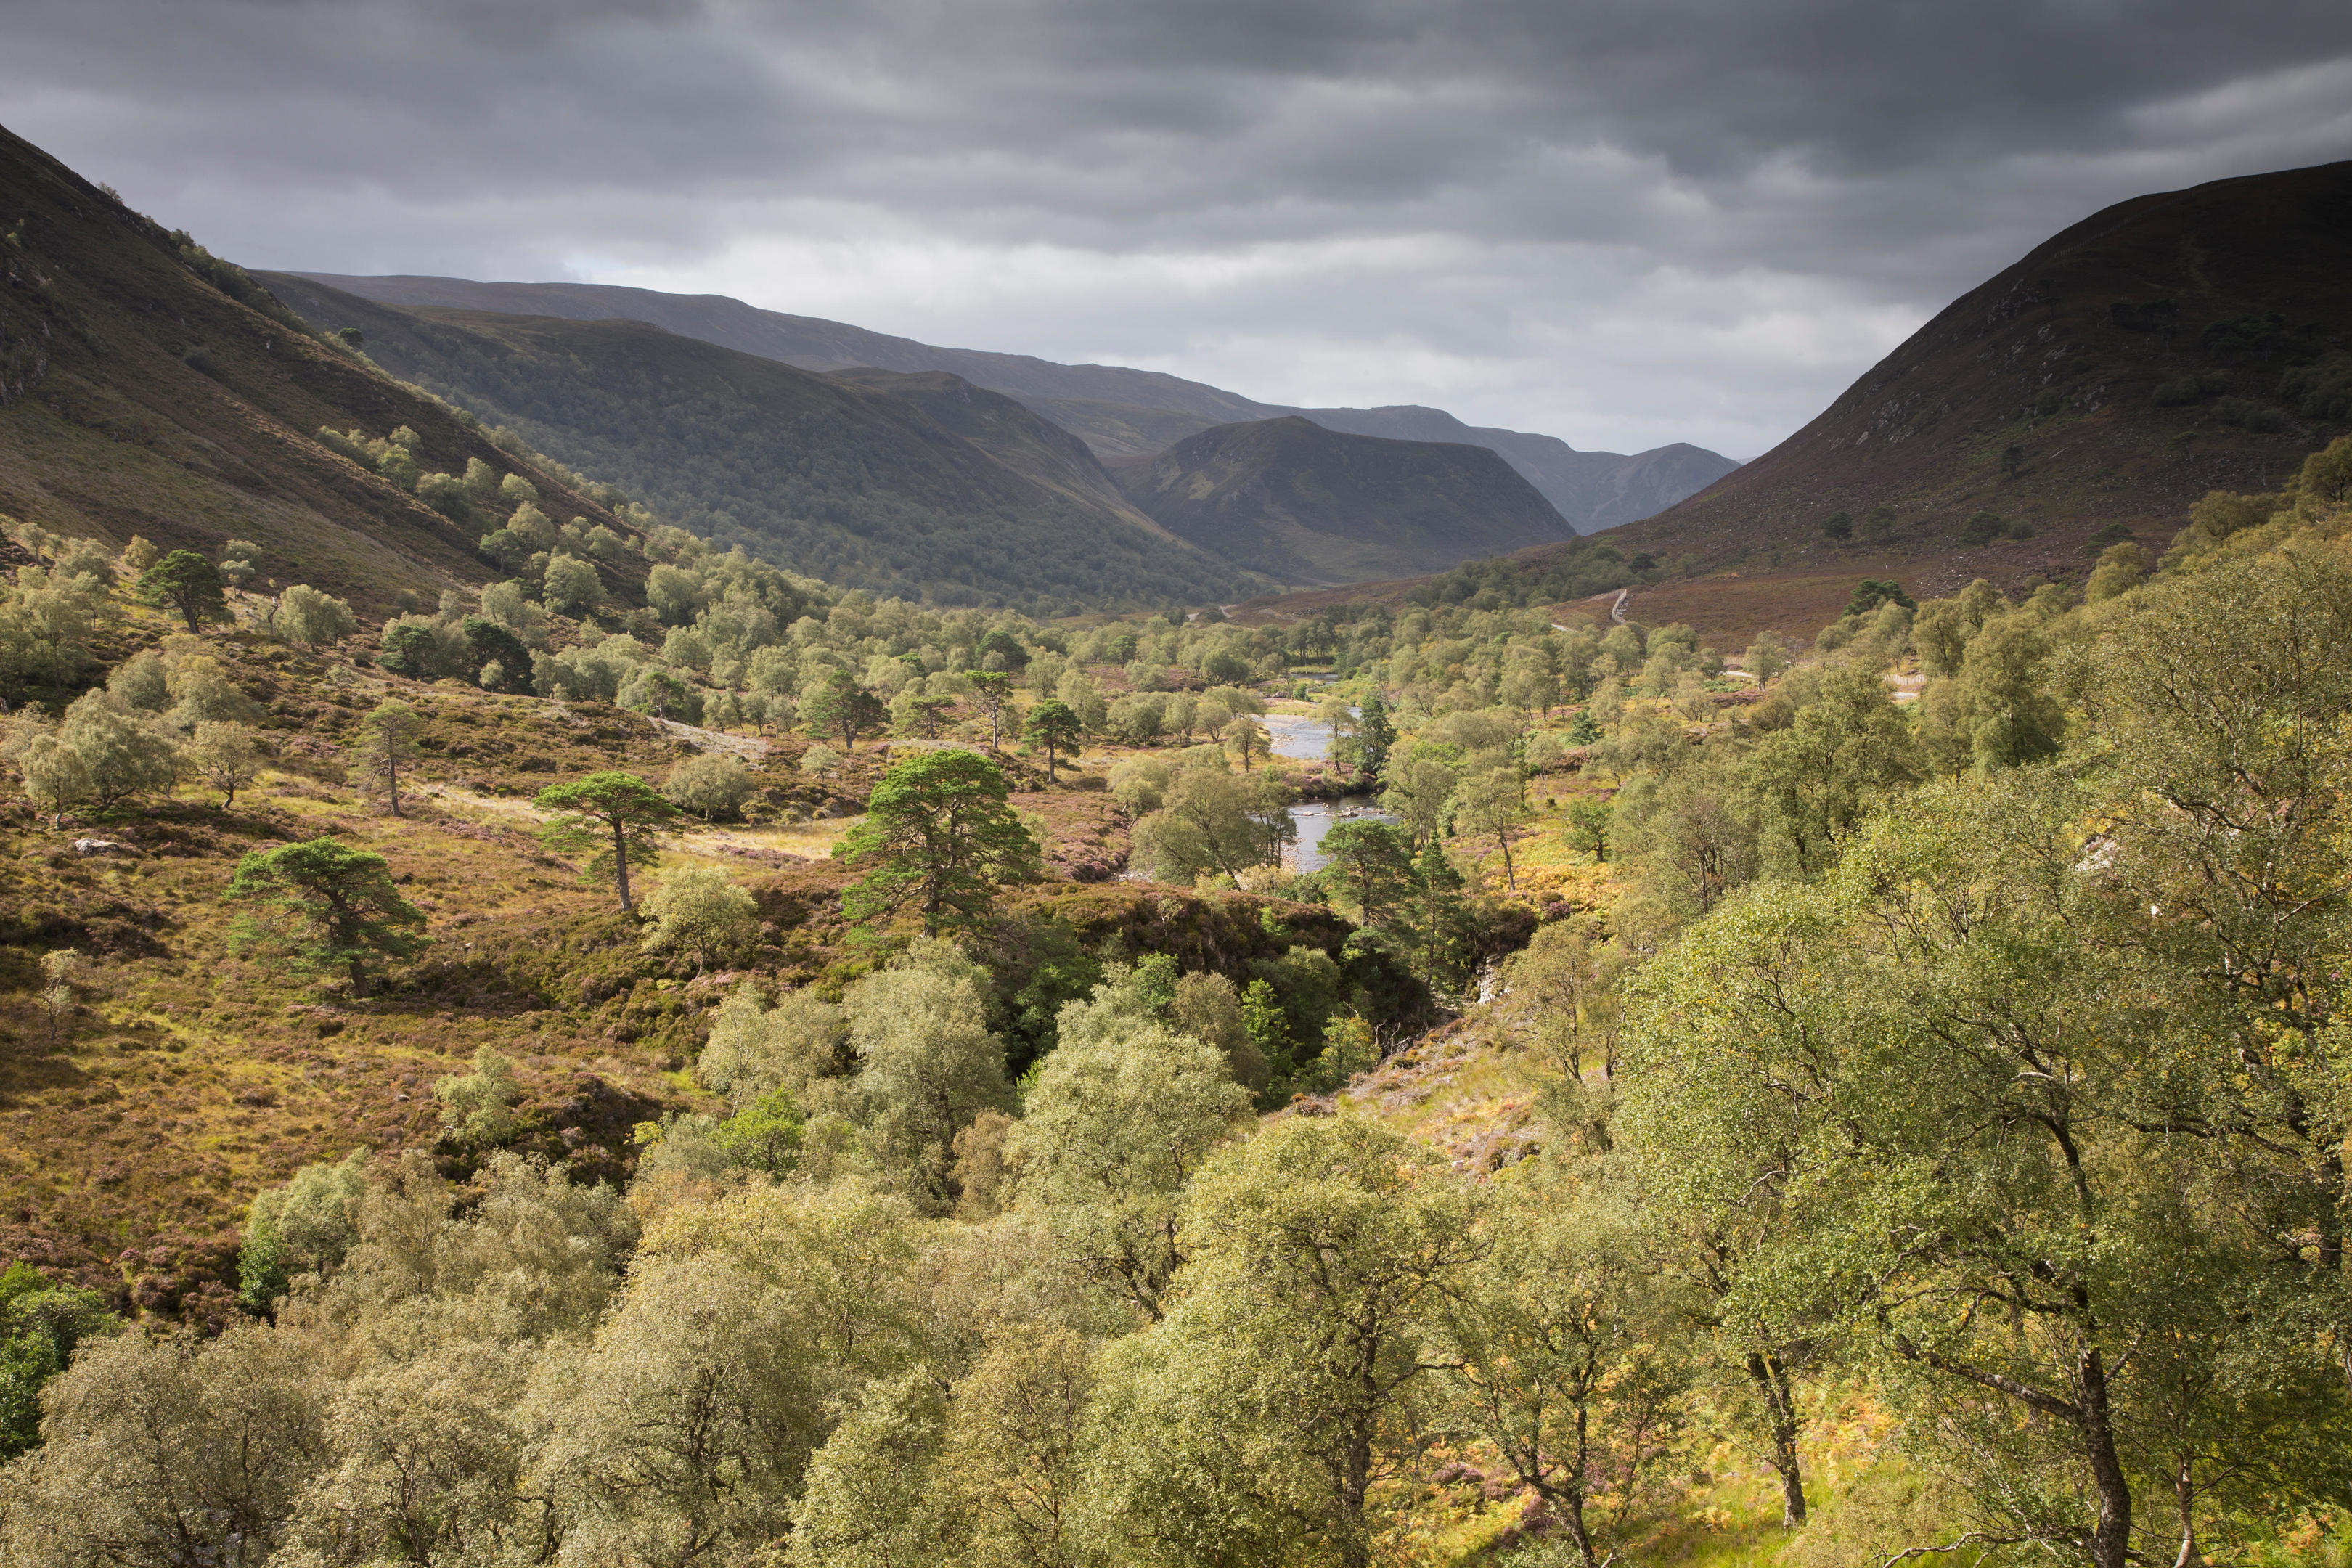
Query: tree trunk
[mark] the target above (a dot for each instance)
(2111, 1538)
(621, 867)
(392, 782)
(1772, 1376)
(2185, 1495)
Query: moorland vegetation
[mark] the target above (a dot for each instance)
(1930, 1034)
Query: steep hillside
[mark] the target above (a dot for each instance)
(1121, 412)
(147, 388)
(1593, 491)
(1307, 505)
(2170, 345)
(827, 477)
(1006, 429)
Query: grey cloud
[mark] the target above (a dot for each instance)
(1568, 163)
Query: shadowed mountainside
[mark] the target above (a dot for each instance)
(836, 480)
(1303, 504)
(147, 387)
(1121, 412)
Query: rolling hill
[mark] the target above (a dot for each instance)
(848, 482)
(1303, 504)
(2167, 346)
(1121, 413)
(148, 388)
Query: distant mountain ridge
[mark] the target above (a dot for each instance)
(1120, 412)
(1306, 505)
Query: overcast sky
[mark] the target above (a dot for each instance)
(1622, 223)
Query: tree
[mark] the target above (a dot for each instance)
(1588, 822)
(1998, 711)
(479, 1105)
(55, 777)
(1247, 737)
(1942, 1064)
(203, 1444)
(1205, 824)
(840, 706)
(1053, 725)
(1375, 861)
(227, 755)
(1375, 735)
(310, 617)
(1000, 650)
(1439, 917)
(992, 691)
(711, 782)
(929, 1064)
(1838, 527)
(1849, 748)
(701, 911)
(1566, 1355)
(186, 582)
(938, 833)
(124, 754)
(326, 906)
(66, 973)
(616, 817)
(571, 585)
(1118, 1120)
(386, 747)
(1493, 803)
(1293, 1375)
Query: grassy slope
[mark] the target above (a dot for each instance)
(107, 431)
(816, 473)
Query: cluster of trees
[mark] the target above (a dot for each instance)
(166, 714)
(872, 1315)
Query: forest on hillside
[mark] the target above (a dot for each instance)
(1820, 1105)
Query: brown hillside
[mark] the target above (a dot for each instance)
(147, 388)
(2136, 361)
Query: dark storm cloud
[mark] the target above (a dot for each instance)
(1622, 221)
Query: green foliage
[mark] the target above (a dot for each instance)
(710, 784)
(1118, 1120)
(306, 1225)
(1873, 592)
(1251, 1425)
(1053, 725)
(938, 835)
(766, 1136)
(840, 706)
(1373, 861)
(41, 1323)
(385, 749)
(479, 1105)
(326, 906)
(186, 581)
(699, 911)
(613, 818)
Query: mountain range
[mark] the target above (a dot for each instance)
(1121, 412)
